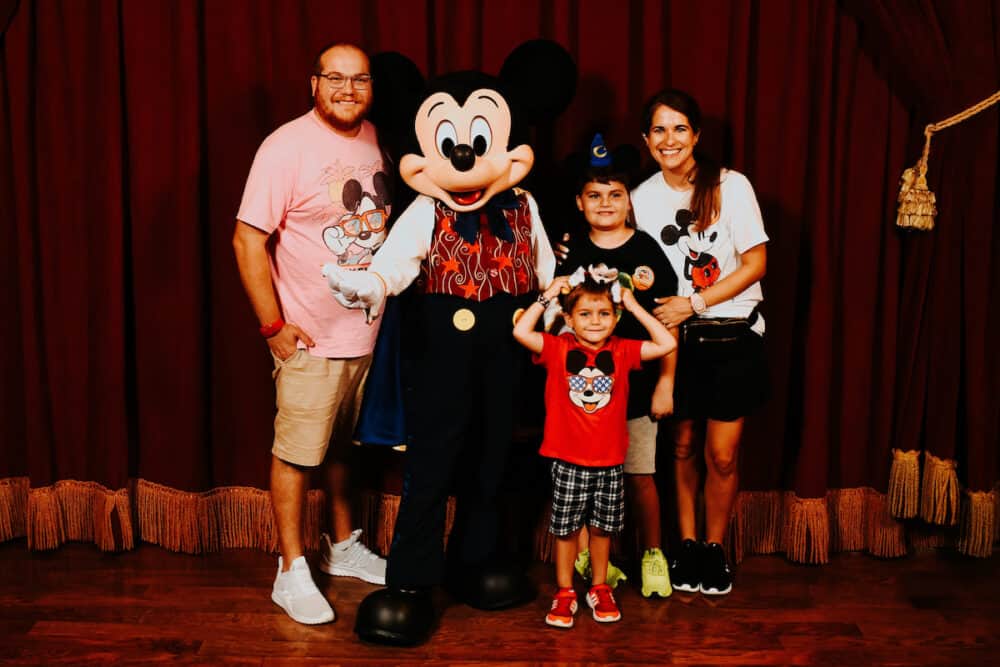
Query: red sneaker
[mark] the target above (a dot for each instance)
(602, 601)
(563, 608)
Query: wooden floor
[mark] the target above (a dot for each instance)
(78, 606)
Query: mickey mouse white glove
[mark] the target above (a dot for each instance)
(358, 288)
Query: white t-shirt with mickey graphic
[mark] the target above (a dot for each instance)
(703, 258)
(315, 192)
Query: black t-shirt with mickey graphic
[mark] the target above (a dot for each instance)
(652, 277)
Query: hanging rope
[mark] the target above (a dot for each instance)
(917, 204)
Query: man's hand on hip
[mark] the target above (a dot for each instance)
(284, 343)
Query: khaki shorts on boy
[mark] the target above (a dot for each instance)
(641, 456)
(316, 398)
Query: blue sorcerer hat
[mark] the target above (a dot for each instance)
(600, 156)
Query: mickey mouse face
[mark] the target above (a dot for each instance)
(671, 234)
(465, 157)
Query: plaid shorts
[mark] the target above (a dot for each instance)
(595, 496)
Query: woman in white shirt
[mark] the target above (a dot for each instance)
(708, 223)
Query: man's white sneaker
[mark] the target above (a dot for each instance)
(351, 559)
(296, 593)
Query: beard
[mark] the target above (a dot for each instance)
(343, 118)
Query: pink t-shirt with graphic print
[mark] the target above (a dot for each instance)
(322, 196)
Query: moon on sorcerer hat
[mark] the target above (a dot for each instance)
(599, 152)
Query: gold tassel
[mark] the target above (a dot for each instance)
(978, 524)
(846, 519)
(939, 497)
(884, 536)
(904, 483)
(807, 530)
(916, 202)
(13, 507)
(756, 526)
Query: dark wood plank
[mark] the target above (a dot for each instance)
(78, 606)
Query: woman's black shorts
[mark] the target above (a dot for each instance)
(721, 370)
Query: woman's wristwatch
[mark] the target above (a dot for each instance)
(698, 304)
(543, 301)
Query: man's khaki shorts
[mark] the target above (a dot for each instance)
(317, 398)
(641, 456)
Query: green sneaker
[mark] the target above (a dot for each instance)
(615, 575)
(655, 574)
(582, 564)
(582, 567)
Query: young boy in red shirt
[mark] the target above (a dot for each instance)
(586, 393)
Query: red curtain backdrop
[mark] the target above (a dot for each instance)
(136, 389)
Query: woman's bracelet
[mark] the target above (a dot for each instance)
(543, 301)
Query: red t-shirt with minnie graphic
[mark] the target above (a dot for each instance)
(586, 396)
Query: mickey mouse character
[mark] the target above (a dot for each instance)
(478, 246)
(700, 266)
(590, 386)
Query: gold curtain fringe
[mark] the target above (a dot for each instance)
(71, 510)
(939, 498)
(884, 536)
(545, 542)
(924, 537)
(378, 519)
(846, 518)
(13, 507)
(996, 513)
(806, 530)
(978, 525)
(756, 526)
(241, 517)
(223, 518)
(376, 526)
(904, 483)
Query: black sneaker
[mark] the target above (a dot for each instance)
(685, 567)
(716, 577)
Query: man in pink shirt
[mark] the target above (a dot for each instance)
(317, 193)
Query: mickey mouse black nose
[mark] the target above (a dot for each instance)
(463, 157)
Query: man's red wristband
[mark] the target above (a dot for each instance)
(272, 329)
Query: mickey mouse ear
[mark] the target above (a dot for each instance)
(397, 84)
(542, 76)
(625, 158)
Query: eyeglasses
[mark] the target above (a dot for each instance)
(338, 80)
(371, 221)
(601, 384)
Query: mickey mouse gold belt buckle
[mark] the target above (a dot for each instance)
(463, 319)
